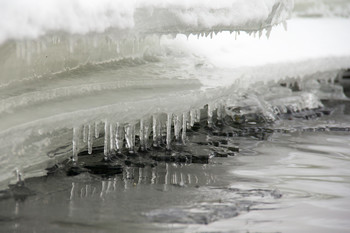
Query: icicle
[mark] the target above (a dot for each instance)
(260, 33)
(18, 175)
(106, 148)
(142, 136)
(119, 138)
(97, 131)
(184, 124)
(90, 140)
(155, 132)
(210, 116)
(146, 134)
(198, 115)
(188, 122)
(84, 134)
(168, 131)
(236, 34)
(111, 137)
(211, 35)
(268, 32)
(192, 117)
(130, 137)
(177, 127)
(285, 26)
(219, 112)
(75, 144)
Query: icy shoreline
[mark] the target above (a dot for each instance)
(167, 78)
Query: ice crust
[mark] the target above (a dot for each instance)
(149, 63)
(23, 19)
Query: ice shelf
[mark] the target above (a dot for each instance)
(150, 66)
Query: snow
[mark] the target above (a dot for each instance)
(29, 19)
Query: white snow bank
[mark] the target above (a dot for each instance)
(29, 19)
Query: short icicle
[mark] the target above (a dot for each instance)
(168, 131)
(219, 112)
(142, 135)
(97, 132)
(84, 134)
(192, 117)
(198, 115)
(75, 144)
(90, 139)
(210, 116)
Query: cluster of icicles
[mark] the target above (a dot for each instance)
(157, 130)
(118, 136)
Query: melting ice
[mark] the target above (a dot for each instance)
(88, 74)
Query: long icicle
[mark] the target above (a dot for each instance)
(177, 127)
(129, 137)
(146, 134)
(155, 131)
(184, 126)
(118, 137)
(111, 137)
(106, 148)
(90, 139)
(168, 131)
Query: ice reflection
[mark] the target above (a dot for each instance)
(167, 175)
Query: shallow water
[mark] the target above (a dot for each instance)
(294, 177)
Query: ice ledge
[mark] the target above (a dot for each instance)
(21, 20)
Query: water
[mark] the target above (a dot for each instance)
(289, 176)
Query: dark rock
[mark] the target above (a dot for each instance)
(234, 149)
(104, 169)
(220, 154)
(215, 143)
(20, 192)
(200, 159)
(224, 142)
(128, 163)
(75, 170)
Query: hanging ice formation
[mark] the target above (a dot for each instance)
(123, 75)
